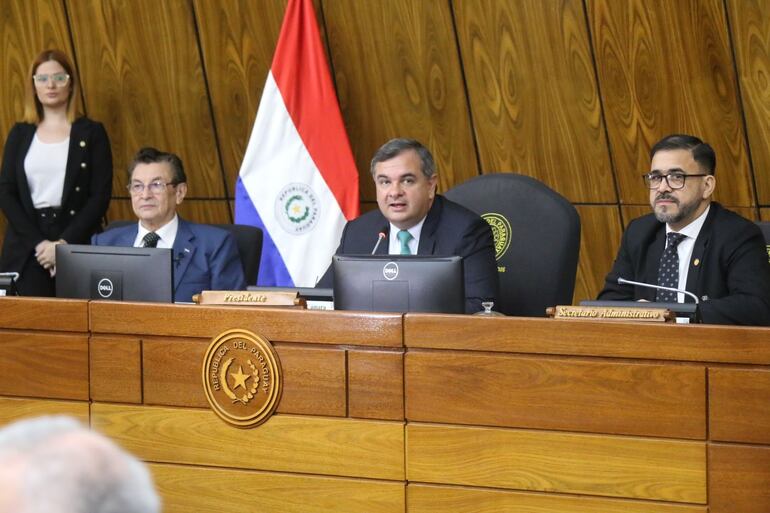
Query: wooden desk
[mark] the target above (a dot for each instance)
(418, 413)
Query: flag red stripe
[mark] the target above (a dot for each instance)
(302, 75)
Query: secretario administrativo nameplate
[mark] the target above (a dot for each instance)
(242, 378)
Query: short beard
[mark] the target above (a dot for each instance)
(685, 210)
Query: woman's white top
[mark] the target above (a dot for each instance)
(45, 165)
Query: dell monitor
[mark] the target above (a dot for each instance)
(399, 283)
(113, 272)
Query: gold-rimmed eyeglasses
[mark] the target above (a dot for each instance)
(156, 187)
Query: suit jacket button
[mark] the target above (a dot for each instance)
(82, 144)
(83, 165)
(72, 212)
(77, 189)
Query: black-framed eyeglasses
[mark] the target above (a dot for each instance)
(155, 187)
(675, 179)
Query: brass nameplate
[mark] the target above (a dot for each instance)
(611, 313)
(240, 297)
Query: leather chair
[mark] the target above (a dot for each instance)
(537, 239)
(247, 238)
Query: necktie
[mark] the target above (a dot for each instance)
(150, 240)
(668, 271)
(404, 237)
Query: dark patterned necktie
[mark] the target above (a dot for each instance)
(150, 240)
(668, 271)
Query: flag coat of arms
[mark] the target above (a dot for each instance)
(298, 181)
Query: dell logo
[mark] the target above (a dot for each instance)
(105, 288)
(390, 271)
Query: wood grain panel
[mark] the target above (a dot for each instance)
(237, 41)
(439, 499)
(376, 384)
(12, 409)
(396, 62)
(739, 479)
(313, 381)
(633, 399)
(285, 443)
(659, 65)
(275, 324)
(27, 28)
(738, 400)
(750, 25)
(24, 313)
(116, 369)
(698, 343)
(600, 233)
(557, 462)
(44, 365)
(188, 489)
(764, 214)
(172, 371)
(533, 94)
(145, 82)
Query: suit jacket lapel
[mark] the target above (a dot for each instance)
(427, 245)
(184, 249)
(25, 196)
(694, 270)
(73, 161)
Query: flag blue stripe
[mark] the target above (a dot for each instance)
(272, 269)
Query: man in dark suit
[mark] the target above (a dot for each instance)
(206, 258)
(690, 242)
(418, 221)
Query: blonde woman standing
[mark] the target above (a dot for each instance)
(56, 177)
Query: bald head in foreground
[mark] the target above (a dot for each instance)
(57, 465)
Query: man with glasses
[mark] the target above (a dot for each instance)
(690, 242)
(205, 257)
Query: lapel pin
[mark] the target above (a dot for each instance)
(82, 144)
(696, 262)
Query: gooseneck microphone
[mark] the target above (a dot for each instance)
(380, 237)
(623, 281)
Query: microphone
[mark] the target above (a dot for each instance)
(623, 281)
(380, 237)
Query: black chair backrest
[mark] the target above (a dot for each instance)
(247, 238)
(537, 239)
(765, 227)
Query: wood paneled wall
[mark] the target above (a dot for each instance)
(571, 92)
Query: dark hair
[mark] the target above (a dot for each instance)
(150, 155)
(396, 147)
(701, 152)
(33, 109)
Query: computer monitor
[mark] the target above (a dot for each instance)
(395, 283)
(113, 272)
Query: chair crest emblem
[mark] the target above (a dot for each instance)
(501, 232)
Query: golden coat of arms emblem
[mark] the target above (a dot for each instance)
(242, 378)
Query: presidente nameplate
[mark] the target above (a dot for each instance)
(241, 297)
(611, 313)
(242, 378)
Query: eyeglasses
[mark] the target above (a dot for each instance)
(59, 79)
(675, 179)
(156, 187)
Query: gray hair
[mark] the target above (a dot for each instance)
(396, 147)
(59, 466)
